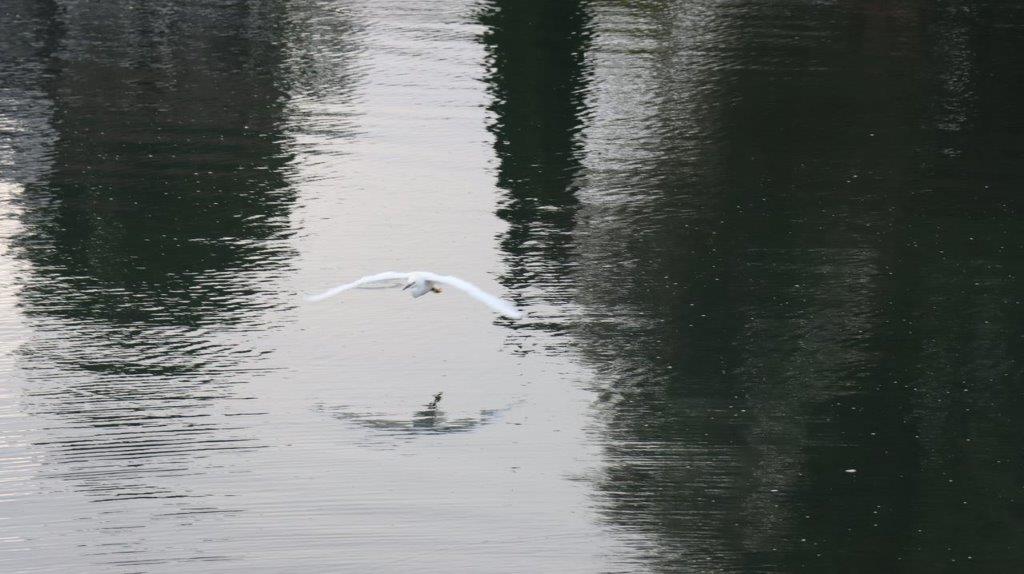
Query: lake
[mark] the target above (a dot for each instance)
(771, 254)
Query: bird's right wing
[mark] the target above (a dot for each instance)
(499, 305)
(368, 281)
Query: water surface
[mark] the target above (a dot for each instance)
(770, 252)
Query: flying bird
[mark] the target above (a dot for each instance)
(420, 283)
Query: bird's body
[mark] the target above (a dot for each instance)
(420, 283)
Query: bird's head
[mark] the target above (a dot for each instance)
(435, 289)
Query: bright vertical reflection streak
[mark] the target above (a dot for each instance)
(491, 474)
(18, 461)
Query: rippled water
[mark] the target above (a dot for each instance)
(771, 253)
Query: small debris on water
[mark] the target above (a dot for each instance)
(850, 471)
(437, 398)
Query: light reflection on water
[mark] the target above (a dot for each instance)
(760, 244)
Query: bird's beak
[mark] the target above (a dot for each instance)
(407, 285)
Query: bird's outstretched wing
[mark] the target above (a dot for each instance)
(368, 281)
(499, 305)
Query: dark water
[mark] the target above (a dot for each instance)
(771, 252)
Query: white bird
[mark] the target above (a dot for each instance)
(420, 283)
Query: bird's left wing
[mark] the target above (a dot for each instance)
(500, 305)
(367, 281)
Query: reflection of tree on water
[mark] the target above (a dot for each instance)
(168, 169)
(25, 130)
(537, 79)
(157, 231)
(776, 290)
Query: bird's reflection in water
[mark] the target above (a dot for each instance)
(428, 421)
